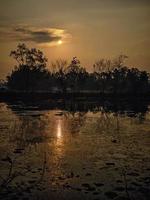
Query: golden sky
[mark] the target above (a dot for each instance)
(88, 29)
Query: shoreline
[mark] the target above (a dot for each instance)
(15, 95)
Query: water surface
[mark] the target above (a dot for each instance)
(87, 153)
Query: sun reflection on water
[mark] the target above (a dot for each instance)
(59, 143)
(59, 129)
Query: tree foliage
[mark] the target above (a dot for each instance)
(30, 73)
(108, 76)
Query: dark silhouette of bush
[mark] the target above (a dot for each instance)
(76, 75)
(58, 75)
(114, 77)
(30, 74)
(108, 77)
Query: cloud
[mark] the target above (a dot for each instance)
(32, 34)
(38, 36)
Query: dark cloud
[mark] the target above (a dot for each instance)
(38, 36)
(32, 34)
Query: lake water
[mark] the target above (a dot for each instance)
(74, 153)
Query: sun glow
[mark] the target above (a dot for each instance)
(60, 42)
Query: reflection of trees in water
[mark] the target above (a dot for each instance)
(32, 127)
(28, 130)
(107, 121)
(19, 160)
(74, 121)
(130, 107)
(33, 130)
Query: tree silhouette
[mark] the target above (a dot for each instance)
(59, 68)
(30, 73)
(76, 75)
(32, 58)
(110, 77)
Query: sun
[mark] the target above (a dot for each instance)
(60, 42)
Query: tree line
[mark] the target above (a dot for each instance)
(108, 76)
